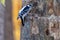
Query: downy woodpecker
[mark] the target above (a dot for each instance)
(23, 12)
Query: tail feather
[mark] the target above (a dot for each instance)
(22, 21)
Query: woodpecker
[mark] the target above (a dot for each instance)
(23, 12)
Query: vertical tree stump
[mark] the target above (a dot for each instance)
(8, 29)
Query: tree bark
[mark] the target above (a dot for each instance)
(8, 33)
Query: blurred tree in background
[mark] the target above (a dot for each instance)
(2, 1)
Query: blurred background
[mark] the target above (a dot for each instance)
(10, 27)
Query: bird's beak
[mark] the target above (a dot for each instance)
(17, 18)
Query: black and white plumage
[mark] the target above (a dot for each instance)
(23, 12)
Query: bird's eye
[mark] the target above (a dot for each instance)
(29, 5)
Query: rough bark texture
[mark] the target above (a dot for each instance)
(37, 23)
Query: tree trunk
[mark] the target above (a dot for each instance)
(8, 33)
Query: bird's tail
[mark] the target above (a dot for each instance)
(22, 21)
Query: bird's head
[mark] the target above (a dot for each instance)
(18, 17)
